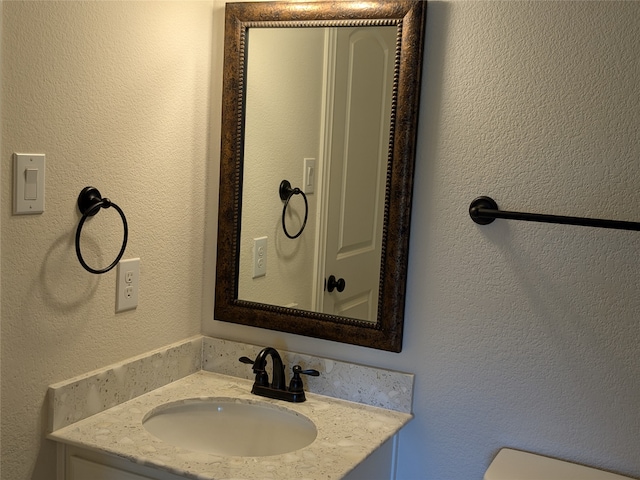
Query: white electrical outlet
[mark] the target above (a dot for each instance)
(259, 257)
(127, 284)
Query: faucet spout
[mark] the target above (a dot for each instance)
(259, 366)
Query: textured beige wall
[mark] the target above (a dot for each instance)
(519, 334)
(1, 177)
(117, 95)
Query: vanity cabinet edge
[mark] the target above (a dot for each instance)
(99, 461)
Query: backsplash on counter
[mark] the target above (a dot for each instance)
(348, 381)
(80, 397)
(85, 395)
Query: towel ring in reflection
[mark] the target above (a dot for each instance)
(89, 203)
(286, 192)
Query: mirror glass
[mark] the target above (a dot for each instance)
(317, 114)
(319, 120)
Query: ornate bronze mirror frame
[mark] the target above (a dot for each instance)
(408, 16)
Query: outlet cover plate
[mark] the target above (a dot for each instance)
(127, 284)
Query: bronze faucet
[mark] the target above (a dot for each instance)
(277, 388)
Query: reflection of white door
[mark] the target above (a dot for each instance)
(356, 175)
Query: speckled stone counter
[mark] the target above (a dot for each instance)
(93, 392)
(348, 433)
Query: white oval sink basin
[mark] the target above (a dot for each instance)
(224, 426)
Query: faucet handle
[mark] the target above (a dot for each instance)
(298, 369)
(262, 378)
(296, 385)
(246, 360)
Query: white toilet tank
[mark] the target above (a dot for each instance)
(516, 465)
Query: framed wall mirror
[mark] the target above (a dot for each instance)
(319, 122)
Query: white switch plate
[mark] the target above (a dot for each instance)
(309, 175)
(259, 257)
(127, 284)
(28, 183)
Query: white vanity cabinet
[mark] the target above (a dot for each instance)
(81, 469)
(80, 464)
(380, 465)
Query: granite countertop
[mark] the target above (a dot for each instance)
(348, 433)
